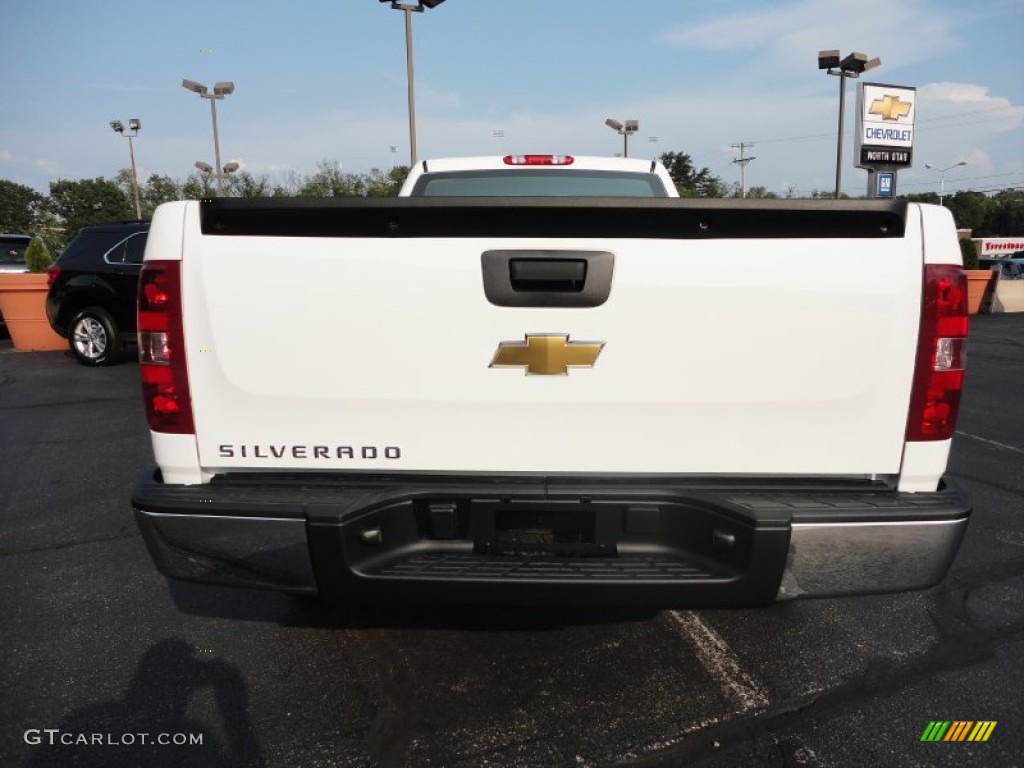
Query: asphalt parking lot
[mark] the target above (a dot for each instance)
(95, 642)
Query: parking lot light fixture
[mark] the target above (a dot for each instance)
(625, 130)
(220, 90)
(193, 86)
(852, 65)
(942, 176)
(206, 169)
(134, 125)
(409, 9)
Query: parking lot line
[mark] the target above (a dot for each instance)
(719, 660)
(990, 442)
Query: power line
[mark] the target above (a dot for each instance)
(968, 114)
(786, 139)
(964, 178)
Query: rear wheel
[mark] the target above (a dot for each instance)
(95, 338)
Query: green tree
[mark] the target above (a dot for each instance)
(969, 253)
(244, 184)
(37, 257)
(196, 187)
(1007, 213)
(818, 194)
(157, 191)
(51, 229)
(19, 207)
(971, 210)
(330, 181)
(88, 201)
(380, 183)
(752, 192)
(688, 180)
(290, 186)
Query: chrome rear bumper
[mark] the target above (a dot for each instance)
(648, 541)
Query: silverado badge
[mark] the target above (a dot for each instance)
(547, 354)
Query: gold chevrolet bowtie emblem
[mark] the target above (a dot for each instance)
(547, 354)
(890, 108)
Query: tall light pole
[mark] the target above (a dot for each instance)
(220, 90)
(409, 9)
(851, 66)
(942, 176)
(630, 127)
(134, 125)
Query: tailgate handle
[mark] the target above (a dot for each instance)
(560, 275)
(547, 277)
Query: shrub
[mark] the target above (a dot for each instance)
(969, 252)
(37, 257)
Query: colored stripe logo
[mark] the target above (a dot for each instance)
(958, 730)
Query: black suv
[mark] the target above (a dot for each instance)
(93, 288)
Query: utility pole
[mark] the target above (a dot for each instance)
(742, 161)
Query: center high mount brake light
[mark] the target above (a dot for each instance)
(538, 159)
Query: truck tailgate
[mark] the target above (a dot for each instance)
(755, 354)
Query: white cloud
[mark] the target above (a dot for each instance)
(793, 32)
(41, 163)
(965, 108)
(432, 98)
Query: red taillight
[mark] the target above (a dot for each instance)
(52, 272)
(538, 159)
(162, 349)
(941, 347)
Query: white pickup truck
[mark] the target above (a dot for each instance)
(541, 379)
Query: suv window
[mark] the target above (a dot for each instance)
(91, 245)
(128, 251)
(86, 243)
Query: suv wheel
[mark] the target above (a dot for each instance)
(95, 338)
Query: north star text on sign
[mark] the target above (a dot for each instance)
(888, 134)
(885, 156)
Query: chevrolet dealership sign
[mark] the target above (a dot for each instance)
(885, 126)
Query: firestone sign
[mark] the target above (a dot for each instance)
(885, 126)
(999, 246)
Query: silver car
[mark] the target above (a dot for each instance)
(1008, 267)
(12, 252)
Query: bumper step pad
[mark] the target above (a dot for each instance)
(545, 568)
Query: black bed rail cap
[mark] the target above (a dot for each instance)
(553, 217)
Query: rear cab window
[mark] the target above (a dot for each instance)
(549, 182)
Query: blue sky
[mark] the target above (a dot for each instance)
(325, 79)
